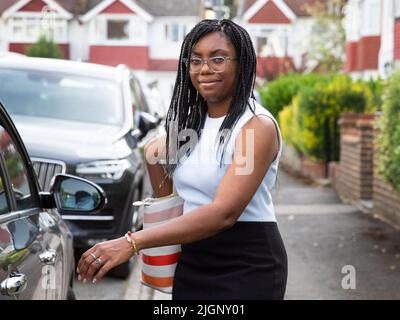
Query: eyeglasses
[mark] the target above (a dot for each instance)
(216, 64)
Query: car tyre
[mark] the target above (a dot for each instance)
(71, 294)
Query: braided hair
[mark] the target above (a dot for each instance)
(188, 108)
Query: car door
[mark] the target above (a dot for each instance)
(31, 251)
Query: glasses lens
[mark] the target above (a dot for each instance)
(217, 63)
(195, 64)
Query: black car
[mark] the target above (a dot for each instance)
(83, 119)
(36, 251)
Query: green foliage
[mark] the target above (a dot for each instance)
(279, 93)
(326, 48)
(309, 121)
(45, 48)
(376, 87)
(388, 141)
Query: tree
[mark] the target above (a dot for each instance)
(327, 43)
(45, 48)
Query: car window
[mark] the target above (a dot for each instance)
(3, 198)
(61, 96)
(138, 96)
(17, 172)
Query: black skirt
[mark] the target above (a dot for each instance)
(247, 262)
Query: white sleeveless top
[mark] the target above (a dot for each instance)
(197, 177)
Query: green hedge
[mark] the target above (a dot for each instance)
(279, 93)
(388, 140)
(308, 122)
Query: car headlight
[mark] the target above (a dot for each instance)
(109, 169)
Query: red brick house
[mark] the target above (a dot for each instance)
(372, 37)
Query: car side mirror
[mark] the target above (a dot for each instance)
(73, 194)
(147, 122)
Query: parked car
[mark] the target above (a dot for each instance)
(36, 252)
(80, 118)
(152, 97)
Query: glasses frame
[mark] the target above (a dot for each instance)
(203, 61)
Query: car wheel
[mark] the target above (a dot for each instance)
(71, 294)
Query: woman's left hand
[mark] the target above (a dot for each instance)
(101, 258)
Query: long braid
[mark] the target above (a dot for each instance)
(189, 109)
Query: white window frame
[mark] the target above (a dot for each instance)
(60, 22)
(276, 35)
(371, 18)
(397, 8)
(182, 31)
(98, 30)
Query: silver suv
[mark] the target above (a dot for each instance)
(36, 249)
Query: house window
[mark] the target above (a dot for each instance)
(397, 8)
(29, 29)
(118, 29)
(371, 17)
(262, 43)
(175, 32)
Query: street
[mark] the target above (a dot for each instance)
(323, 238)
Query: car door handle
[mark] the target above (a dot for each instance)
(14, 284)
(48, 257)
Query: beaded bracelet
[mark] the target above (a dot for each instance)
(131, 242)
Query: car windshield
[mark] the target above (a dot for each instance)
(61, 96)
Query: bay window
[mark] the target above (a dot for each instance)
(30, 28)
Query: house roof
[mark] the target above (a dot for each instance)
(297, 6)
(170, 7)
(5, 4)
(153, 7)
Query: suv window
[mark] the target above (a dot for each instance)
(17, 172)
(138, 96)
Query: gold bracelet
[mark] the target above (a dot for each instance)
(132, 243)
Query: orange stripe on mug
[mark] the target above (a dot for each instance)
(158, 281)
(161, 260)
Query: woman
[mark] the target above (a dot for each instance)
(231, 246)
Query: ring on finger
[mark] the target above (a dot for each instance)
(94, 256)
(98, 261)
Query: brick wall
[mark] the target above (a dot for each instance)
(386, 201)
(355, 177)
(354, 174)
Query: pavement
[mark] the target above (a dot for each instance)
(325, 239)
(335, 251)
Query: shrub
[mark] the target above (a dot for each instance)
(44, 48)
(288, 123)
(310, 122)
(279, 93)
(388, 140)
(376, 86)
